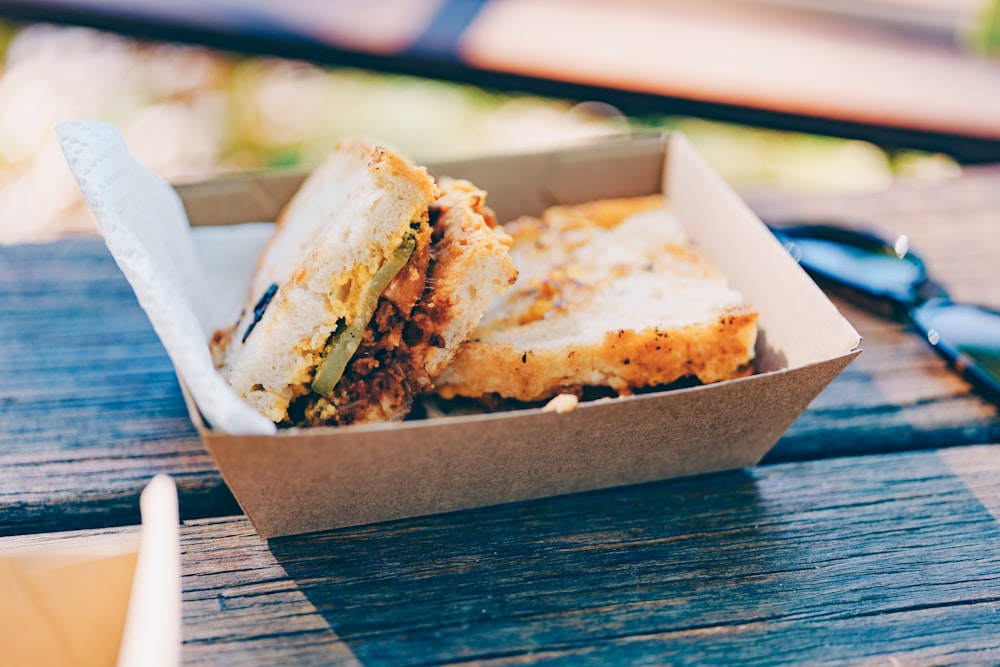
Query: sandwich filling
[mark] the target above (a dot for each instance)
(374, 364)
(346, 338)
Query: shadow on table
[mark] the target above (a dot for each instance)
(557, 574)
(838, 558)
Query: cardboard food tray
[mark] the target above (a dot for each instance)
(305, 480)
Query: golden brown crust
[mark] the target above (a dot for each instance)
(604, 213)
(472, 265)
(627, 360)
(611, 295)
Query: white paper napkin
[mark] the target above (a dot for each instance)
(146, 229)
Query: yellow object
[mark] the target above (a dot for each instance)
(97, 601)
(66, 609)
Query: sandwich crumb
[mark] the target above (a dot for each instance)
(562, 404)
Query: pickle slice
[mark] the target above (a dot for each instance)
(346, 339)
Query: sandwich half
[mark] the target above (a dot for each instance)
(611, 298)
(374, 276)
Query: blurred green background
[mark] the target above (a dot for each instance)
(190, 113)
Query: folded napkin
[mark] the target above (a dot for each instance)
(186, 297)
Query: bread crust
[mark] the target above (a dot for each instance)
(611, 294)
(472, 266)
(626, 360)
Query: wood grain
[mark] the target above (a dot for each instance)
(833, 561)
(898, 395)
(883, 559)
(90, 408)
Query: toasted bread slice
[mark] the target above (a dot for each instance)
(345, 221)
(471, 266)
(313, 290)
(610, 294)
(405, 347)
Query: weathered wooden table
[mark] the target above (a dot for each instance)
(869, 535)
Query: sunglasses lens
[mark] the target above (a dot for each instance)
(967, 335)
(857, 260)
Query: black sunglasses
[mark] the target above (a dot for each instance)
(891, 280)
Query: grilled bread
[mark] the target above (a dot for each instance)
(610, 294)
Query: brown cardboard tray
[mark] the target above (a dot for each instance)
(305, 480)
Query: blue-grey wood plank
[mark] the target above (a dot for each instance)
(882, 559)
(90, 407)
